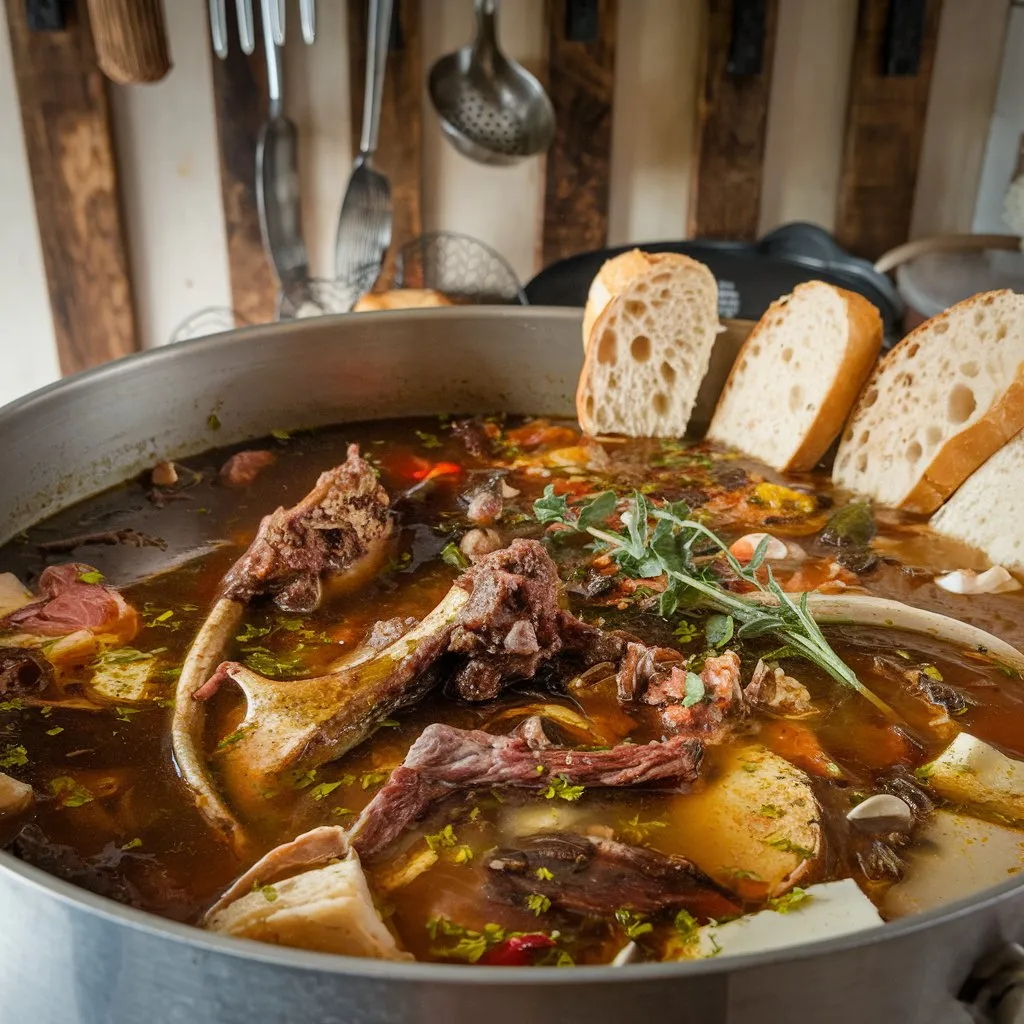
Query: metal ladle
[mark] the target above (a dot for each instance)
(491, 109)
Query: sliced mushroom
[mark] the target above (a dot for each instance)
(882, 813)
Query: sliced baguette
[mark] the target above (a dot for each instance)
(797, 376)
(614, 277)
(649, 350)
(987, 511)
(948, 396)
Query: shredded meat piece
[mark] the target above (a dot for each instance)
(775, 691)
(130, 537)
(485, 506)
(243, 467)
(640, 666)
(596, 877)
(708, 718)
(477, 436)
(67, 604)
(444, 759)
(23, 672)
(345, 514)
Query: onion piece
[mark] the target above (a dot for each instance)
(966, 581)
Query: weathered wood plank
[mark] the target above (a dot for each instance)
(885, 122)
(400, 147)
(733, 116)
(65, 117)
(580, 82)
(240, 96)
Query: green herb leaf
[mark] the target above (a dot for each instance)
(596, 511)
(13, 757)
(281, 435)
(464, 854)
(719, 629)
(771, 811)
(90, 576)
(132, 844)
(69, 792)
(932, 672)
(551, 507)
(685, 632)
(544, 874)
(55, 731)
(685, 924)
(796, 897)
(451, 554)
(213, 421)
(14, 704)
(787, 845)
(633, 923)
(428, 440)
(324, 790)
(370, 780)
(538, 903)
(563, 789)
(694, 690)
(269, 893)
(446, 837)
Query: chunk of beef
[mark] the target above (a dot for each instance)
(485, 504)
(339, 521)
(777, 692)
(23, 672)
(709, 717)
(596, 877)
(642, 665)
(243, 467)
(445, 759)
(67, 603)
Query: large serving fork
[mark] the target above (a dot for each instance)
(246, 24)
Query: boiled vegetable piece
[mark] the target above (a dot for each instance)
(13, 594)
(125, 682)
(754, 828)
(326, 908)
(15, 796)
(975, 775)
(821, 912)
(954, 855)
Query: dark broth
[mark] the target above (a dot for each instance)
(140, 839)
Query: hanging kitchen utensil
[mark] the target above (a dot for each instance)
(364, 226)
(491, 109)
(246, 29)
(461, 267)
(277, 181)
(130, 39)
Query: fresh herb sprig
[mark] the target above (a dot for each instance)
(670, 548)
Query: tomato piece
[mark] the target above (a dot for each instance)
(517, 951)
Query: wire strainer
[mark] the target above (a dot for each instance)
(461, 267)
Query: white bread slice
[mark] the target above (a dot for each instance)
(797, 376)
(649, 350)
(615, 276)
(948, 396)
(987, 512)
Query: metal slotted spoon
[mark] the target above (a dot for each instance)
(364, 227)
(491, 109)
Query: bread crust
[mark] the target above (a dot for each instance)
(955, 460)
(863, 343)
(401, 298)
(651, 266)
(619, 274)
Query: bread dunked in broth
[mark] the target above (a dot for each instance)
(338, 527)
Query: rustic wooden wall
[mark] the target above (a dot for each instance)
(65, 116)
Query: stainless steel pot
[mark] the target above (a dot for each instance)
(68, 957)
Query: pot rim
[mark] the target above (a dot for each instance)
(382, 970)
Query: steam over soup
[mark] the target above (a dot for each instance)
(491, 692)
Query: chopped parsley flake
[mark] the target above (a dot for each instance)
(132, 844)
(213, 421)
(932, 672)
(451, 554)
(341, 812)
(633, 923)
(796, 897)
(370, 780)
(281, 435)
(307, 778)
(90, 576)
(464, 854)
(538, 903)
(787, 845)
(771, 811)
(636, 830)
(563, 789)
(685, 632)
(125, 714)
(13, 757)
(685, 924)
(15, 704)
(444, 838)
(544, 874)
(324, 790)
(55, 731)
(428, 440)
(232, 738)
(69, 792)
(269, 893)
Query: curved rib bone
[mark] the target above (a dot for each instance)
(342, 520)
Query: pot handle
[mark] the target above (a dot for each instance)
(943, 243)
(994, 993)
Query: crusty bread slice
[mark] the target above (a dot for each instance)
(948, 396)
(987, 511)
(615, 276)
(797, 376)
(649, 350)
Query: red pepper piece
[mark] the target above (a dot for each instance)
(517, 951)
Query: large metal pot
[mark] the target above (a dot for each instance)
(68, 957)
